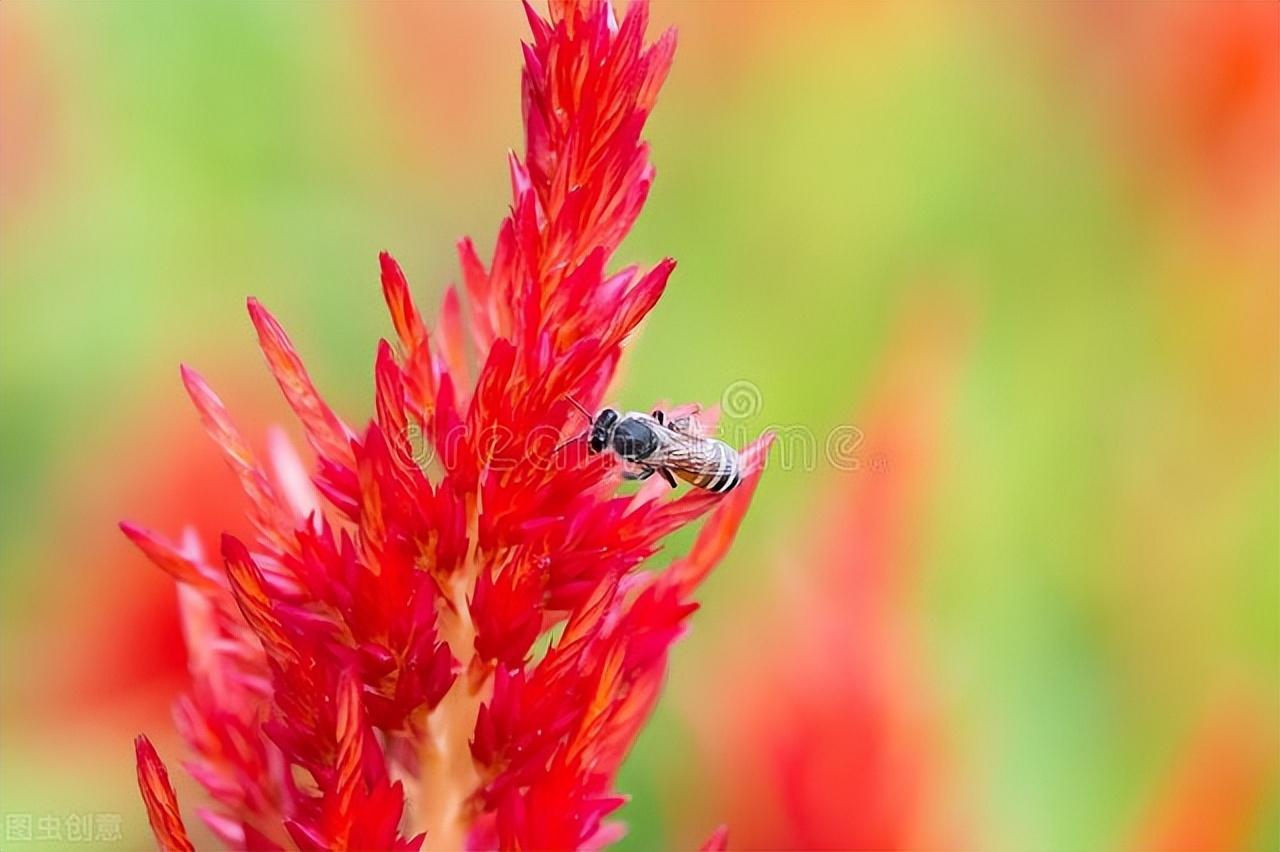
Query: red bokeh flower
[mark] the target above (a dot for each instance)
(364, 670)
(1217, 789)
(829, 739)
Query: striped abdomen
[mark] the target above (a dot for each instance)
(714, 467)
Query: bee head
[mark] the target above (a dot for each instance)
(601, 429)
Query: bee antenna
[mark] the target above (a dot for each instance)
(579, 406)
(566, 442)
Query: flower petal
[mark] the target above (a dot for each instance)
(267, 515)
(326, 433)
(167, 557)
(159, 798)
(404, 314)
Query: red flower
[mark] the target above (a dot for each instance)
(363, 670)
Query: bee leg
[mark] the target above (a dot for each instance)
(666, 474)
(638, 475)
(686, 424)
(659, 416)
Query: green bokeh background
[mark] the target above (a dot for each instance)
(1098, 546)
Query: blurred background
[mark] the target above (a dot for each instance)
(1026, 256)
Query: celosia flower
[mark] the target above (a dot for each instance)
(363, 671)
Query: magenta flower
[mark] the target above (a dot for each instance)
(363, 671)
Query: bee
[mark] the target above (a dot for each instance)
(650, 443)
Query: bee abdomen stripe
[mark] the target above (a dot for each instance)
(725, 482)
(727, 477)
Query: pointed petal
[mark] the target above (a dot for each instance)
(541, 29)
(167, 557)
(476, 280)
(350, 738)
(249, 588)
(267, 515)
(291, 475)
(404, 314)
(326, 433)
(639, 300)
(389, 403)
(658, 58)
(159, 798)
(453, 343)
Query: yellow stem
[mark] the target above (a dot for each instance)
(448, 772)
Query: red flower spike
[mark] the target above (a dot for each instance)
(381, 623)
(157, 795)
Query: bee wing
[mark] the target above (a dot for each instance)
(683, 452)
